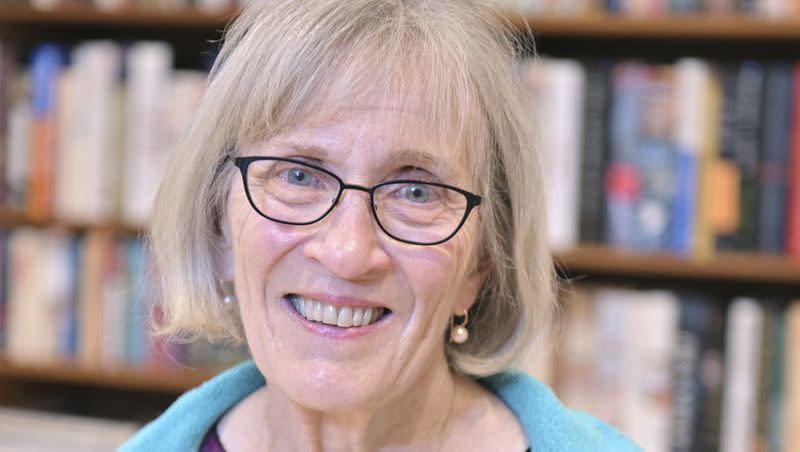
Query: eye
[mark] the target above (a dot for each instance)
(416, 193)
(299, 176)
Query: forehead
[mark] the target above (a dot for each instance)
(380, 128)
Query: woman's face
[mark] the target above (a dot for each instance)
(345, 262)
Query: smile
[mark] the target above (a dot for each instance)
(341, 316)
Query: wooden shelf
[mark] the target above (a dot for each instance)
(148, 380)
(697, 27)
(724, 267)
(13, 219)
(730, 27)
(13, 15)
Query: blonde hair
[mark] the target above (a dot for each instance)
(280, 61)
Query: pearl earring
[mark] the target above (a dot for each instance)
(228, 297)
(459, 333)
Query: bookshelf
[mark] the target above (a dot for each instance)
(598, 25)
(77, 15)
(172, 381)
(595, 35)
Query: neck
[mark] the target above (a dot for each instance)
(413, 418)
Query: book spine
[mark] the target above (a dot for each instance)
(774, 159)
(687, 390)
(791, 422)
(707, 183)
(711, 376)
(149, 72)
(750, 98)
(793, 208)
(46, 65)
(728, 214)
(595, 153)
(740, 397)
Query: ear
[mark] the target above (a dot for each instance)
(225, 249)
(473, 285)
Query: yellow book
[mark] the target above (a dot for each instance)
(708, 158)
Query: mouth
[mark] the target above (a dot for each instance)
(317, 311)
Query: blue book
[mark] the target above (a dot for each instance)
(614, 6)
(644, 161)
(137, 336)
(46, 63)
(70, 327)
(774, 161)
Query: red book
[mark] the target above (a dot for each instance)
(793, 205)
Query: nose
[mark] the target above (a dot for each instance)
(347, 242)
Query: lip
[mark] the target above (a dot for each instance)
(335, 332)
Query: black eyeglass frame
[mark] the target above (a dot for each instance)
(243, 163)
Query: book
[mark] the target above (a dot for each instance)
(556, 92)
(145, 153)
(643, 178)
(793, 195)
(773, 162)
(740, 393)
(791, 421)
(46, 66)
(595, 152)
(39, 296)
(727, 214)
(86, 173)
(746, 145)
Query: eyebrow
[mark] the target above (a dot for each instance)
(403, 156)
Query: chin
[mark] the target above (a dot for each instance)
(333, 392)
(329, 387)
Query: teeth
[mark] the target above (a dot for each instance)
(344, 317)
(317, 314)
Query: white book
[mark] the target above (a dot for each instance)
(655, 320)
(39, 300)
(146, 149)
(578, 353)
(742, 367)
(214, 6)
(556, 97)
(773, 9)
(110, 5)
(45, 4)
(614, 357)
(87, 118)
(691, 82)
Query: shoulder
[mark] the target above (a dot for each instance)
(548, 424)
(184, 424)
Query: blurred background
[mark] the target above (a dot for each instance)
(671, 136)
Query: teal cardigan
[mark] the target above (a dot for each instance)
(548, 425)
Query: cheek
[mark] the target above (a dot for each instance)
(434, 278)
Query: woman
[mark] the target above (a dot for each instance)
(359, 201)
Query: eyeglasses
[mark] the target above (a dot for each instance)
(294, 192)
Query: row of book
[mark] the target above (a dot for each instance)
(657, 8)
(684, 371)
(690, 157)
(86, 133)
(86, 300)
